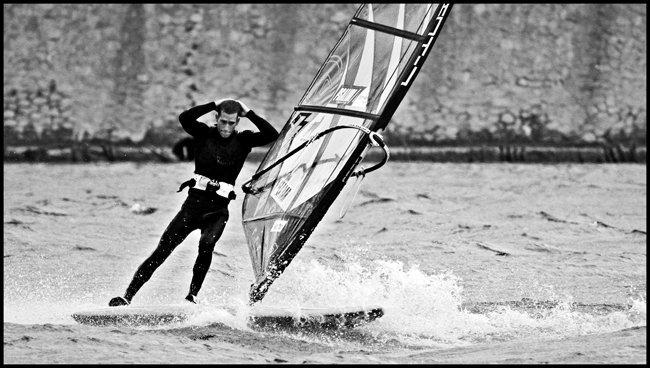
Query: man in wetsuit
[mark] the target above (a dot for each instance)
(219, 155)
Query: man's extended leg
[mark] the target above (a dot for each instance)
(211, 231)
(177, 230)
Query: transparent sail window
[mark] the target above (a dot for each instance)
(360, 71)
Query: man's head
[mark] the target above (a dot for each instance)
(227, 117)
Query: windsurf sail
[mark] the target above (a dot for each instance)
(354, 94)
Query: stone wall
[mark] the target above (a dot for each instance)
(541, 73)
(560, 74)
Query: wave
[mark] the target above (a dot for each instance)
(428, 309)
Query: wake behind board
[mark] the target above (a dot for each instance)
(313, 318)
(133, 316)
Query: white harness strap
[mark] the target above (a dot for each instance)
(202, 181)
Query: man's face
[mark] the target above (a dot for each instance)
(226, 123)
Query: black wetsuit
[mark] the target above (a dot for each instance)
(219, 159)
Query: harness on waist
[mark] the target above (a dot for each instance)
(210, 186)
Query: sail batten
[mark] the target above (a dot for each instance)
(360, 85)
(389, 30)
(335, 110)
(272, 215)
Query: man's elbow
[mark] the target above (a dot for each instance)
(268, 139)
(272, 137)
(186, 123)
(182, 118)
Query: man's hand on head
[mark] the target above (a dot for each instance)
(244, 109)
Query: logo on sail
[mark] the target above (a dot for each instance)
(285, 187)
(347, 94)
(278, 225)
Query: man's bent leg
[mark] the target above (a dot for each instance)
(210, 232)
(177, 230)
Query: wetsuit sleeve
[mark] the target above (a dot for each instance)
(266, 134)
(188, 119)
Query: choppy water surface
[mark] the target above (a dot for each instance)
(474, 263)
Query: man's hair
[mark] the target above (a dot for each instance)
(230, 107)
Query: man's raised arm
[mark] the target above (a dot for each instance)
(267, 132)
(189, 122)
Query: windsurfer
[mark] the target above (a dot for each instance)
(219, 154)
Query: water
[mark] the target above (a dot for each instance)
(473, 263)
